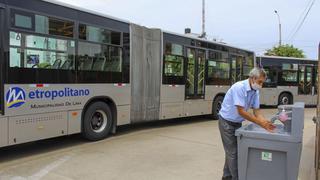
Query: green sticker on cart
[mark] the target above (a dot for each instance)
(266, 156)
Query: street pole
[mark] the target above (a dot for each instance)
(203, 34)
(280, 31)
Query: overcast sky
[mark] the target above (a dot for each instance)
(250, 24)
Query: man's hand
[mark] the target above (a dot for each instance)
(257, 119)
(267, 125)
(263, 122)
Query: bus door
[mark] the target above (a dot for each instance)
(195, 85)
(236, 68)
(2, 23)
(306, 83)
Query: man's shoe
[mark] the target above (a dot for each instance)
(227, 178)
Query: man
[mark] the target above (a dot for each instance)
(239, 99)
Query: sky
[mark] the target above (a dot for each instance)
(249, 24)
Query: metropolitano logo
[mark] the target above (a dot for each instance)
(15, 97)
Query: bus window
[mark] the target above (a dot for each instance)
(53, 26)
(30, 51)
(99, 57)
(99, 35)
(248, 65)
(42, 24)
(190, 85)
(114, 59)
(289, 76)
(59, 27)
(316, 81)
(237, 68)
(218, 69)
(271, 80)
(305, 79)
(22, 20)
(289, 73)
(309, 85)
(201, 71)
(173, 64)
(195, 85)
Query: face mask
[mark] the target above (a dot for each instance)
(256, 86)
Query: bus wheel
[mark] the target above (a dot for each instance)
(97, 121)
(285, 99)
(216, 107)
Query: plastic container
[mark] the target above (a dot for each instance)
(263, 155)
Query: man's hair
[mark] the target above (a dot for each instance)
(257, 72)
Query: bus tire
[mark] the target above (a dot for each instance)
(97, 121)
(216, 106)
(285, 99)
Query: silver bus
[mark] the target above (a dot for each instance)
(289, 80)
(66, 70)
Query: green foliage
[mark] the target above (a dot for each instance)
(44, 65)
(285, 51)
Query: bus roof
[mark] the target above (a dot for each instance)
(290, 58)
(85, 10)
(128, 22)
(205, 40)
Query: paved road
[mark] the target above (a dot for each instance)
(177, 149)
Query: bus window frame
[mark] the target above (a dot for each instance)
(271, 84)
(93, 76)
(3, 29)
(14, 11)
(315, 80)
(313, 77)
(196, 94)
(236, 56)
(56, 75)
(277, 63)
(174, 80)
(35, 75)
(84, 76)
(39, 75)
(218, 81)
(288, 83)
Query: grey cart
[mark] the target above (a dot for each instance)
(265, 156)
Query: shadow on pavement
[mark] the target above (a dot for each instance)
(16, 152)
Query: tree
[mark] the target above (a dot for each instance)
(285, 51)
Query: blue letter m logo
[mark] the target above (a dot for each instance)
(15, 97)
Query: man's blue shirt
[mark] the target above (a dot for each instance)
(240, 94)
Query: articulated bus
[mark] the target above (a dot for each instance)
(289, 80)
(67, 70)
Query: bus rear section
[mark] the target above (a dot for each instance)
(289, 80)
(196, 74)
(177, 76)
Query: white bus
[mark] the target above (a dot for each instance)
(66, 70)
(289, 80)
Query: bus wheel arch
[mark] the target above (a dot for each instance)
(107, 108)
(216, 105)
(285, 98)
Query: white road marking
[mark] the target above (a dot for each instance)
(46, 170)
(41, 173)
